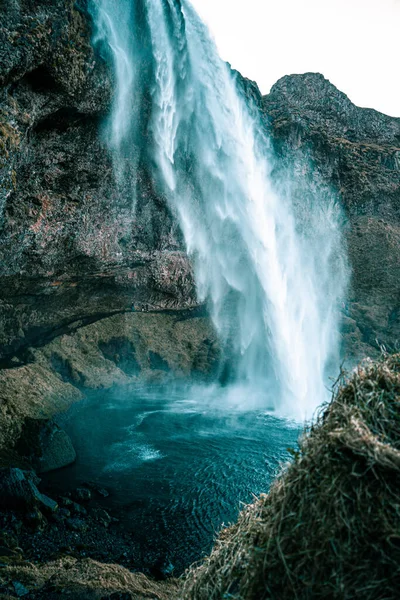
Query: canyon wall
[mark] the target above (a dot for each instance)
(74, 254)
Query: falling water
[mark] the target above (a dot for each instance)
(268, 269)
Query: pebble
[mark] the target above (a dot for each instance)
(102, 517)
(82, 495)
(65, 501)
(35, 519)
(77, 524)
(78, 509)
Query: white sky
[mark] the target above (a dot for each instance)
(354, 43)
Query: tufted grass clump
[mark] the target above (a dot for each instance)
(330, 526)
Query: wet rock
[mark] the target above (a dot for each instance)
(71, 506)
(18, 491)
(78, 509)
(18, 488)
(102, 517)
(48, 179)
(47, 504)
(64, 501)
(82, 495)
(76, 524)
(36, 520)
(61, 515)
(57, 449)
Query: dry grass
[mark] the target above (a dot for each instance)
(86, 580)
(330, 526)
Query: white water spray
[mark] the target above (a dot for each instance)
(266, 268)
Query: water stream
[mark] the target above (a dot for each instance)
(268, 264)
(268, 270)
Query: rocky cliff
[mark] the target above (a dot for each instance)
(354, 152)
(71, 249)
(73, 253)
(80, 271)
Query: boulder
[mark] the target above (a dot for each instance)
(57, 450)
(76, 524)
(102, 517)
(82, 495)
(18, 490)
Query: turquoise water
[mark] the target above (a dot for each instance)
(179, 465)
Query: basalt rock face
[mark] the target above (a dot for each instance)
(329, 145)
(72, 250)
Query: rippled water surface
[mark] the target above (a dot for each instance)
(178, 464)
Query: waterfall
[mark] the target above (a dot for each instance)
(268, 268)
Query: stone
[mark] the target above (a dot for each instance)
(18, 491)
(57, 450)
(102, 517)
(36, 519)
(18, 488)
(65, 501)
(78, 509)
(47, 504)
(76, 524)
(82, 495)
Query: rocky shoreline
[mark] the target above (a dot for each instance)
(73, 547)
(78, 525)
(38, 530)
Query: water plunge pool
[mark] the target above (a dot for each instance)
(177, 464)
